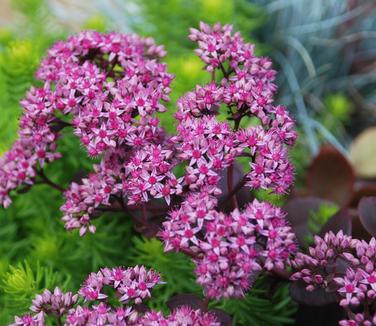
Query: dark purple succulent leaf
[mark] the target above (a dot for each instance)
(299, 210)
(317, 297)
(223, 317)
(342, 220)
(358, 229)
(331, 176)
(186, 299)
(364, 189)
(327, 315)
(367, 214)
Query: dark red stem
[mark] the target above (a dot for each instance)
(47, 181)
(236, 189)
(230, 186)
(205, 304)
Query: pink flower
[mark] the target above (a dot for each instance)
(229, 250)
(349, 289)
(57, 302)
(338, 263)
(131, 284)
(29, 320)
(112, 87)
(215, 43)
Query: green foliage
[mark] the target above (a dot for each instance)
(30, 8)
(23, 282)
(96, 23)
(318, 219)
(31, 229)
(260, 308)
(36, 17)
(21, 50)
(176, 269)
(269, 196)
(18, 61)
(338, 108)
(169, 21)
(6, 36)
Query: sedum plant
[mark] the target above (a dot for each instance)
(109, 88)
(354, 287)
(131, 287)
(199, 190)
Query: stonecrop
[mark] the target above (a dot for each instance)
(109, 88)
(345, 266)
(131, 286)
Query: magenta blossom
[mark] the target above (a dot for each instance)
(355, 287)
(109, 88)
(131, 285)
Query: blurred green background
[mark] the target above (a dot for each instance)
(324, 51)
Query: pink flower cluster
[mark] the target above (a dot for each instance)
(36, 144)
(112, 86)
(246, 89)
(105, 81)
(126, 176)
(103, 314)
(217, 45)
(346, 266)
(229, 249)
(149, 174)
(207, 145)
(132, 285)
(29, 320)
(82, 199)
(56, 303)
(180, 317)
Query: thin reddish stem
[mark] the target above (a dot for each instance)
(205, 304)
(236, 189)
(230, 186)
(189, 253)
(47, 181)
(145, 221)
